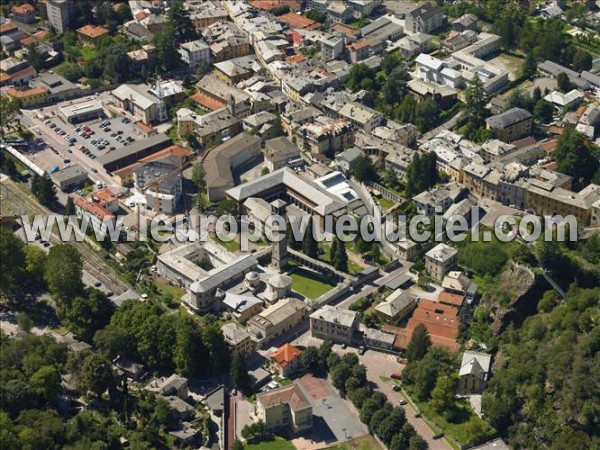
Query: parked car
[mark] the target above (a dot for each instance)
(402, 402)
(396, 376)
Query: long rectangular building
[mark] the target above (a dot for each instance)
(125, 156)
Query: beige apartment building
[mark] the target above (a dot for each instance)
(285, 407)
(334, 324)
(277, 319)
(440, 260)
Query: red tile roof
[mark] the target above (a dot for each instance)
(296, 59)
(23, 9)
(92, 31)
(359, 44)
(104, 196)
(268, 5)
(208, 102)
(449, 298)
(286, 354)
(549, 146)
(93, 208)
(26, 93)
(345, 29)
(297, 21)
(7, 27)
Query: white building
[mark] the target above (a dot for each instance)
(195, 53)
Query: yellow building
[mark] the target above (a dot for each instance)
(286, 407)
(29, 97)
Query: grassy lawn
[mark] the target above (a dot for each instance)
(460, 429)
(275, 444)
(362, 443)
(353, 268)
(308, 284)
(88, 53)
(385, 203)
(232, 246)
(165, 288)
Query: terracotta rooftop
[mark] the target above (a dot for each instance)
(23, 9)
(295, 59)
(268, 5)
(141, 15)
(440, 320)
(345, 29)
(104, 196)
(92, 31)
(525, 142)
(556, 130)
(142, 126)
(549, 146)
(297, 21)
(93, 208)
(207, 102)
(26, 93)
(291, 395)
(359, 44)
(449, 298)
(286, 354)
(7, 27)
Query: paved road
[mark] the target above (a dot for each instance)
(19, 202)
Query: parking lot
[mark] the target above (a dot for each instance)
(82, 143)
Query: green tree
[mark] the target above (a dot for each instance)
(363, 169)
(475, 101)
(199, 177)
(543, 111)
(309, 244)
(563, 82)
(360, 395)
(63, 275)
(419, 344)
(166, 42)
(389, 426)
(190, 352)
(325, 350)
(69, 207)
(333, 252)
(9, 109)
(46, 381)
(416, 442)
(442, 396)
(95, 374)
(582, 60)
(12, 262)
(316, 15)
(237, 445)
(43, 189)
(25, 323)
(117, 65)
(212, 337)
(341, 256)
(182, 24)
(529, 66)
(35, 58)
(391, 179)
(309, 359)
(89, 313)
(239, 373)
(577, 156)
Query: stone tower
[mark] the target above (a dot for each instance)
(279, 254)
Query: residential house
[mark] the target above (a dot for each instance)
(284, 408)
(562, 101)
(96, 213)
(465, 22)
(238, 339)
(91, 34)
(279, 152)
(511, 125)
(425, 18)
(339, 12)
(373, 338)
(396, 307)
(262, 124)
(24, 13)
(437, 200)
(332, 47)
(286, 360)
(327, 138)
(242, 307)
(440, 260)
(334, 324)
(277, 319)
(362, 116)
(359, 50)
(195, 53)
(345, 160)
(474, 372)
(28, 97)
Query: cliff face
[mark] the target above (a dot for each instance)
(515, 297)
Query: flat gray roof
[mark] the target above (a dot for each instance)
(138, 146)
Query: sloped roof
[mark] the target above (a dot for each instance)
(290, 395)
(286, 354)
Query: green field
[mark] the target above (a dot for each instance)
(308, 284)
(362, 443)
(460, 430)
(275, 444)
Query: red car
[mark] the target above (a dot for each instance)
(396, 376)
